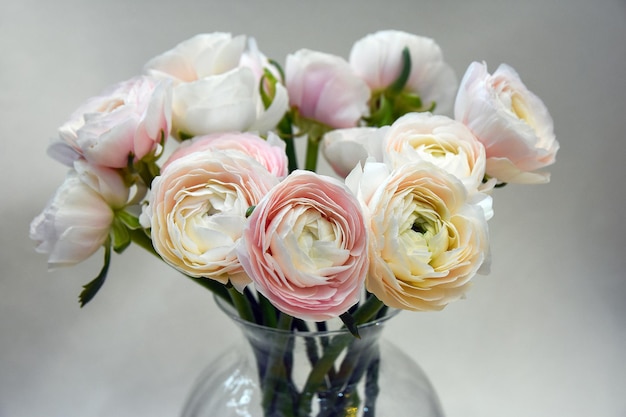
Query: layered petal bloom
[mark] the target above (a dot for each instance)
(426, 238)
(440, 140)
(377, 59)
(343, 149)
(77, 220)
(305, 247)
(270, 153)
(197, 210)
(217, 86)
(198, 57)
(324, 88)
(512, 123)
(129, 119)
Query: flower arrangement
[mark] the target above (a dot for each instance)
(195, 161)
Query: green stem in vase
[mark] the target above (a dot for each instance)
(278, 398)
(318, 374)
(241, 303)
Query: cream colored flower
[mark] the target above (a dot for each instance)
(197, 212)
(426, 239)
(440, 140)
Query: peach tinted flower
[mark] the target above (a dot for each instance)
(305, 247)
(511, 122)
(268, 152)
(197, 210)
(324, 88)
(131, 118)
(426, 239)
(377, 59)
(440, 140)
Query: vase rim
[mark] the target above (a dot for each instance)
(230, 311)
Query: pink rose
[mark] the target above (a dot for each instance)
(511, 122)
(324, 88)
(427, 238)
(270, 153)
(197, 211)
(377, 58)
(305, 247)
(77, 220)
(129, 118)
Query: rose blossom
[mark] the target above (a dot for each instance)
(305, 247)
(77, 220)
(324, 88)
(512, 123)
(270, 153)
(197, 210)
(377, 59)
(129, 118)
(426, 240)
(440, 140)
(216, 87)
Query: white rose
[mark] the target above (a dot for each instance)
(511, 122)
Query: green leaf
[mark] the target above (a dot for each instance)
(350, 323)
(91, 289)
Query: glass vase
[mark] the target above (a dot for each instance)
(330, 373)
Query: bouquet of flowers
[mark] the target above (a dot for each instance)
(195, 161)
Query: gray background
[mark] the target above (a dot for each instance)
(543, 335)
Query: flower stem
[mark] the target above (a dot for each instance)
(312, 151)
(363, 314)
(285, 131)
(276, 384)
(241, 304)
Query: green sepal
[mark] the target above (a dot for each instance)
(382, 115)
(184, 135)
(350, 323)
(408, 102)
(398, 85)
(130, 221)
(91, 289)
(120, 236)
(267, 95)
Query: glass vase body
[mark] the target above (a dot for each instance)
(276, 373)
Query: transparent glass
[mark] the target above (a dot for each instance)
(273, 373)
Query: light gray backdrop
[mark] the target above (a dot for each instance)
(542, 336)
